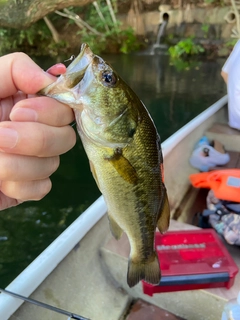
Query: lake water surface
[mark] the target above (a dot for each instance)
(172, 97)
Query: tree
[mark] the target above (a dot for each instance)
(23, 13)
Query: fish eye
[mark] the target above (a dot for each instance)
(109, 79)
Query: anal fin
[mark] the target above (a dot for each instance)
(114, 227)
(164, 215)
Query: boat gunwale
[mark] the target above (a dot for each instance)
(37, 271)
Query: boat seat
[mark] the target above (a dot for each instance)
(223, 128)
(229, 137)
(233, 163)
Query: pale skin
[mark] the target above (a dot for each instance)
(34, 131)
(224, 76)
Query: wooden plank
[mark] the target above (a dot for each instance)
(233, 163)
(230, 138)
(223, 129)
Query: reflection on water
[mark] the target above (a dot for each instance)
(172, 97)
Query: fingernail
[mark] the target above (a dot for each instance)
(8, 138)
(23, 114)
(58, 68)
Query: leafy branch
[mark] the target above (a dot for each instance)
(76, 18)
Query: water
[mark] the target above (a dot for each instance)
(173, 98)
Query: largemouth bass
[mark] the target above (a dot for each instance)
(124, 151)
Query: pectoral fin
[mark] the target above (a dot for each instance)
(164, 215)
(114, 227)
(123, 167)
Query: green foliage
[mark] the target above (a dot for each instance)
(185, 48)
(231, 43)
(113, 41)
(92, 17)
(185, 65)
(220, 3)
(209, 1)
(35, 40)
(113, 38)
(205, 28)
(129, 42)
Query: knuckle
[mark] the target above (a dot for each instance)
(25, 191)
(55, 162)
(20, 55)
(9, 188)
(72, 137)
(6, 166)
(46, 141)
(43, 188)
(58, 141)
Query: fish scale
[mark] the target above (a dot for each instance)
(124, 151)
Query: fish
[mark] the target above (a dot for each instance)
(125, 156)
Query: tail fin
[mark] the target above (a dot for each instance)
(148, 270)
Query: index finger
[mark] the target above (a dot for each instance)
(20, 72)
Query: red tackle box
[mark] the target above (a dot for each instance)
(192, 259)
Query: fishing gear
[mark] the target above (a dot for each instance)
(44, 305)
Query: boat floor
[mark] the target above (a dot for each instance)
(99, 289)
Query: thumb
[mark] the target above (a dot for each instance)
(20, 72)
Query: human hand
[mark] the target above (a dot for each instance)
(34, 131)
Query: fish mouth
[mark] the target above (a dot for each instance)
(76, 70)
(65, 89)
